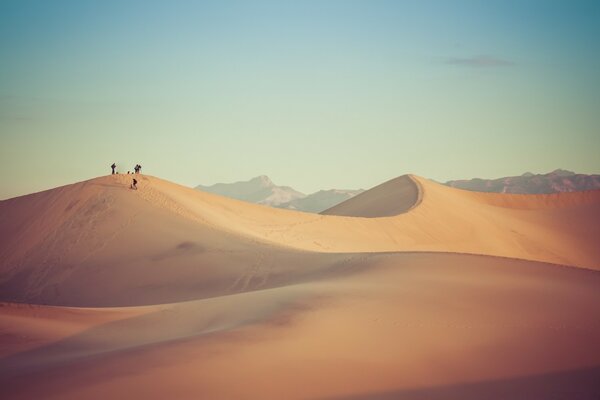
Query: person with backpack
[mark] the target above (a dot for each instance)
(113, 166)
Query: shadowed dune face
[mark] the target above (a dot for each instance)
(391, 198)
(416, 290)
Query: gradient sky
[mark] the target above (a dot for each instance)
(315, 94)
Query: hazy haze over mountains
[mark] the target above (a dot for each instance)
(321, 200)
(259, 190)
(262, 190)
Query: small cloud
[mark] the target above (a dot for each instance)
(479, 62)
(16, 118)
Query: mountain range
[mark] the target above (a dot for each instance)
(262, 190)
(559, 180)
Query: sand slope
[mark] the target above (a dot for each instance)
(167, 292)
(404, 323)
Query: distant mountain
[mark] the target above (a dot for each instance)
(262, 190)
(556, 181)
(321, 200)
(259, 190)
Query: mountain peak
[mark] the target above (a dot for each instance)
(562, 172)
(256, 190)
(263, 180)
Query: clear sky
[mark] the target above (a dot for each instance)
(315, 94)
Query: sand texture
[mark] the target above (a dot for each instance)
(410, 290)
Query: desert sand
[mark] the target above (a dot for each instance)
(410, 290)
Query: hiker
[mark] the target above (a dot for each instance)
(113, 166)
(139, 169)
(134, 184)
(136, 168)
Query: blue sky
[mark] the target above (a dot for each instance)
(315, 94)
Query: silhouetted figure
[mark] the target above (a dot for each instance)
(134, 184)
(113, 168)
(139, 169)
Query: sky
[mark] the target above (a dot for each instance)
(315, 94)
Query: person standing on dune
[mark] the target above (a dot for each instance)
(113, 166)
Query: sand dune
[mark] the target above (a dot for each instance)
(97, 243)
(409, 290)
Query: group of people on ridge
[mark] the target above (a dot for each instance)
(137, 169)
